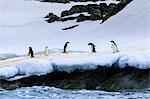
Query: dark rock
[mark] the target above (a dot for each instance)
(96, 12)
(104, 78)
(121, 6)
(82, 17)
(52, 18)
(68, 18)
(71, 27)
(104, 8)
(48, 16)
(125, 1)
(112, 9)
(95, 17)
(65, 13)
(91, 6)
(78, 9)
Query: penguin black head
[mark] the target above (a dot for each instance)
(112, 41)
(67, 42)
(93, 47)
(30, 47)
(91, 44)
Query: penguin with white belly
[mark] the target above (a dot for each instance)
(114, 47)
(92, 47)
(66, 47)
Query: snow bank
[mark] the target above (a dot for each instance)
(135, 60)
(7, 72)
(34, 67)
(88, 62)
(26, 68)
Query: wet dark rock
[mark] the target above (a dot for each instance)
(103, 78)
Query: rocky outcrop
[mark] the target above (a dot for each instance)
(52, 18)
(94, 12)
(103, 78)
(100, 11)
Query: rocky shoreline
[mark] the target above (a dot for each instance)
(103, 78)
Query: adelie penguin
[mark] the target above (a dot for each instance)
(114, 47)
(66, 47)
(93, 47)
(46, 51)
(31, 53)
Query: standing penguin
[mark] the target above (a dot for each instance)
(31, 53)
(66, 47)
(93, 47)
(46, 51)
(114, 46)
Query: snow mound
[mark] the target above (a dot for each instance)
(26, 68)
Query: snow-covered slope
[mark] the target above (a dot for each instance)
(22, 25)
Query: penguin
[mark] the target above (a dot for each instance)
(93, 47)
(31, 53)
(65, 47)
(46, 51)
(114, 47)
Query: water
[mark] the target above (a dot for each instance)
(44, 92)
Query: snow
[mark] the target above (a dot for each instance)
(8, 72)
(22, 25)
(34, 67)
(6, 56)
(77, 14)
(26, 69)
